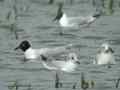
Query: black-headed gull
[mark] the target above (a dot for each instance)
(66, 21)
(68, 64)
(105, 55)
(31, 53)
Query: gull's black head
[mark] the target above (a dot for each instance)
(110, 50)
(97, 15)
(59, 15)
(73, 57)
(106, 48)
(24, 45)
(59, 12)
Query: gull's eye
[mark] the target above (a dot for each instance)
(23, 45)
(72, 58)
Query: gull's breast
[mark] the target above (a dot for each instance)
(105, 58)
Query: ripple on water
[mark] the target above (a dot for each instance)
(115, 41)
(5, 26)
(69, 35)
(94, 37)
(96, 71)
(44, 27)
(48, 41)
(80, 46)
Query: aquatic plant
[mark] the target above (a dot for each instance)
(29, 87)
(51, 1)
(1, 0)
(119, 4)
(74, 86)
(117, 83)
(71, 1)
(12, 18)
(14, 86)
(108, 5)
(92, 84)
(58, 84)
(85, 84)
(93, 2)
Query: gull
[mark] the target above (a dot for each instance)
(31, 53)
(66, 21)
(105, 55)
(67, 65)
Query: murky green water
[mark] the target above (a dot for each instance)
(36, 25)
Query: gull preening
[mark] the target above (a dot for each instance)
(31, 54)
(68, 64)
(105, 55)
(66, 21)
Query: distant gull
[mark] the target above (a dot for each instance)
(66, 21)
(31, 53)
(105, 55)
(67, 65)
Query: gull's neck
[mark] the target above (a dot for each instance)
(64, 20)
(29, 49)
(30, 54)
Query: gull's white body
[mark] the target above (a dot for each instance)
(35, 53)
(66, 21)
(104, 58)
(105, 55)
(68, 65)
